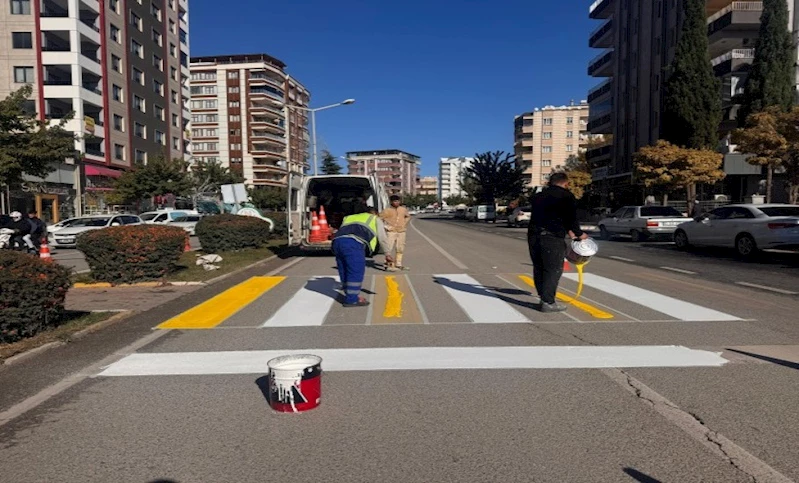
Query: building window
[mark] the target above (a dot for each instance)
(119, 151)
(173, 27)
(546, 149)
(116, 93)
(235, 118)
(172, 4)
(158, 63)
(204, 75)
(137, 49)
(23, 75)
(116, 63)
(20, 7)
(155, 11)
(569, 148)
(173, 72)
(139, 130)
(135, 20)
(174, 97)
(234, 104)
(159, 138)
(141, 156)
(158, 87)
(569, 134)
(233, 90)
(114, 6)
(119, 123)
(138, 103)
(547, 135)
(233, 74)
(175, 120)
(138, 76)
(173, 50)
(158, 111)
(546, 162)
(569, 120)
(235, 132)
(175, 143)
(116, 36)
(157, 38)
(22, 40)
(235, 147)
(547, 121)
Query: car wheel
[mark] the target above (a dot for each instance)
(746, 246)
(636, 236)
(604, 233)
(681, 240)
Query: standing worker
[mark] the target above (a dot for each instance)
(357, 238)
(38, 229)
(553, 216)
(396, 218)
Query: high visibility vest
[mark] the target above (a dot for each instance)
(361, 227)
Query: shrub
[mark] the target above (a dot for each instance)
(31, 294)
(133, 253)
(281, 223)
(227, 233)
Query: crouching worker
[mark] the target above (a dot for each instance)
(357, 238)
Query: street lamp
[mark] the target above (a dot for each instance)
(345, 102)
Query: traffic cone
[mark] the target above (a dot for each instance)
(187, 244)
(44, 251)
(566, 266)
(316, 235)
(324, 228)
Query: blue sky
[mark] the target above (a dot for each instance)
(435, 78)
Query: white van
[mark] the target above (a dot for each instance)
(341, 195)
(484, 213)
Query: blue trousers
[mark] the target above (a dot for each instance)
(351, 262)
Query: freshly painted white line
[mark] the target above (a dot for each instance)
(679, 270)
(621, 258)
(765, 287)
(435, 245)
(418, 358)
(676, 308)
(480, 305)
(309, 306)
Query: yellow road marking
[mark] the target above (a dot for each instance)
(214, 311)
(394, 300)
(589, 309)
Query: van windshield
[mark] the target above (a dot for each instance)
(485, 209)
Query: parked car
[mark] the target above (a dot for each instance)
(67, 237)
(484, 213)
(61, 224)
(746, 227)
(641, 222)
(520, 217)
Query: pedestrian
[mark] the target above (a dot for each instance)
(38, 229)
(359, 236)
(552, 218)
(396, 218)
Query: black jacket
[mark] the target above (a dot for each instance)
(22, 227)
(554, 212)
(38, 228)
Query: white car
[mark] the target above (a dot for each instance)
(520, 217)
(67, 237)
(61, 224)
(186, 219)
(747, 228)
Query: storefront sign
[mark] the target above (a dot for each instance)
(43, 188)
(88, 124)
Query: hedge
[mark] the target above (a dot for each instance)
(281, 223)
(32, 295)
(132, 253)
(227, 233)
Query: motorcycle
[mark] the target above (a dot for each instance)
(7, 242)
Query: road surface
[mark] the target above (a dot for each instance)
(450, 375)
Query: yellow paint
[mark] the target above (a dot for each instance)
(579, 267)
(394, 300)
(214, 311)
(589, 309)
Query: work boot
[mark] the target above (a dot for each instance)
(553, 307)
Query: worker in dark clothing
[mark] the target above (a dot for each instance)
(38, 229)
(552, 218)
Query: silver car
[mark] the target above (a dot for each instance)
(641, 222)
(67, 237)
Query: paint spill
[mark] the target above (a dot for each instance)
(394, 301)
(579, 268)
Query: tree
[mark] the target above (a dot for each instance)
(497, 176)
(160, 176)
(771, 79)
(579, 174)
(456, 200)
(207, 177)
(28, 145)
(761, 136)
(674, 167)
(270, 198)
(329, 163)
(691, 103)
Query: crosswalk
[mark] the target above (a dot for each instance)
(303, 301)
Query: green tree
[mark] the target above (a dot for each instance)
(207, 177)
(691, 103)
(771, 79)
(270, 198)
(497, 175)
(329, 163)
(456, 200)
(28, 145)
(160, 176)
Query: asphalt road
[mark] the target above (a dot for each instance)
(74, 259)
(450, 375)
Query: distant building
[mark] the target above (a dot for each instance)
(396, 170)
(450, 171)
(427, 185)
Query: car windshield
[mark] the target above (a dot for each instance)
(659, 211)
(781, 211)
(90, 222)
(148, 216)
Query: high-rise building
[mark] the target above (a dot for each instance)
(120, 68)
(545, 138)
(450, 172)
(427, 186)
(250, 115)
(638, 39)
(395, 169)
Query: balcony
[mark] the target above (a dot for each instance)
(601, 124)
(258, 108)
(262, 79)
(268, 167)
(261, 135)
(732, 26)
(602, 65)
(602, 37)
(736, 60)
(600, 155)
(267, 150)
(265, 93)
(601, 93)
(601, 9)
(55, 9)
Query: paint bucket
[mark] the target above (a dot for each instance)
(580, 251)
(295, 383)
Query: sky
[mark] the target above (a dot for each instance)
(435, 78)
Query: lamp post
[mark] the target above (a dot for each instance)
(313, 126)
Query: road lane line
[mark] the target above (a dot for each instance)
(621, 258)
(309, 306)
(589, 309)
(765, 287)
(217, 309)
(416, 300)
(418, 358)
(671, 306)
(479, 304)
(678, 270)
(435, 245)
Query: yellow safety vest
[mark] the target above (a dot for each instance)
(362, 227)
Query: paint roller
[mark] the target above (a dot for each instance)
(579, 253)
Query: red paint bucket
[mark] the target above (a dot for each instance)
(295, 383)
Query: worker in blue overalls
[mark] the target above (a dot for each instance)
(359, 237)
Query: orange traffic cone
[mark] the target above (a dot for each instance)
(324, 228)
(187, 244)
(316, 235)
(44, 251)
(566, 266)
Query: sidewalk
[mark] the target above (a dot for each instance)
(137, 299)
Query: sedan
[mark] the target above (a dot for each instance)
(748, 228)
(520, 217)
(641, 222)
(67, 237)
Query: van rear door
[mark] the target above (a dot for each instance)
(295, 207)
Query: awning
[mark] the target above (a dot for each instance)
(101, 171)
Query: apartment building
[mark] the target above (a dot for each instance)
(545, 138)
(638, 40)
(450, 172)
(120, 68)
(249, 115)
(427, 186)
(396, 170)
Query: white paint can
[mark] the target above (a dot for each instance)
(295, 383)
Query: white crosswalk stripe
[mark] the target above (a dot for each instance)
(309, 306)
(480, 305)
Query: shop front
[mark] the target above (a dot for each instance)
(52, 198)
(99, 184)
